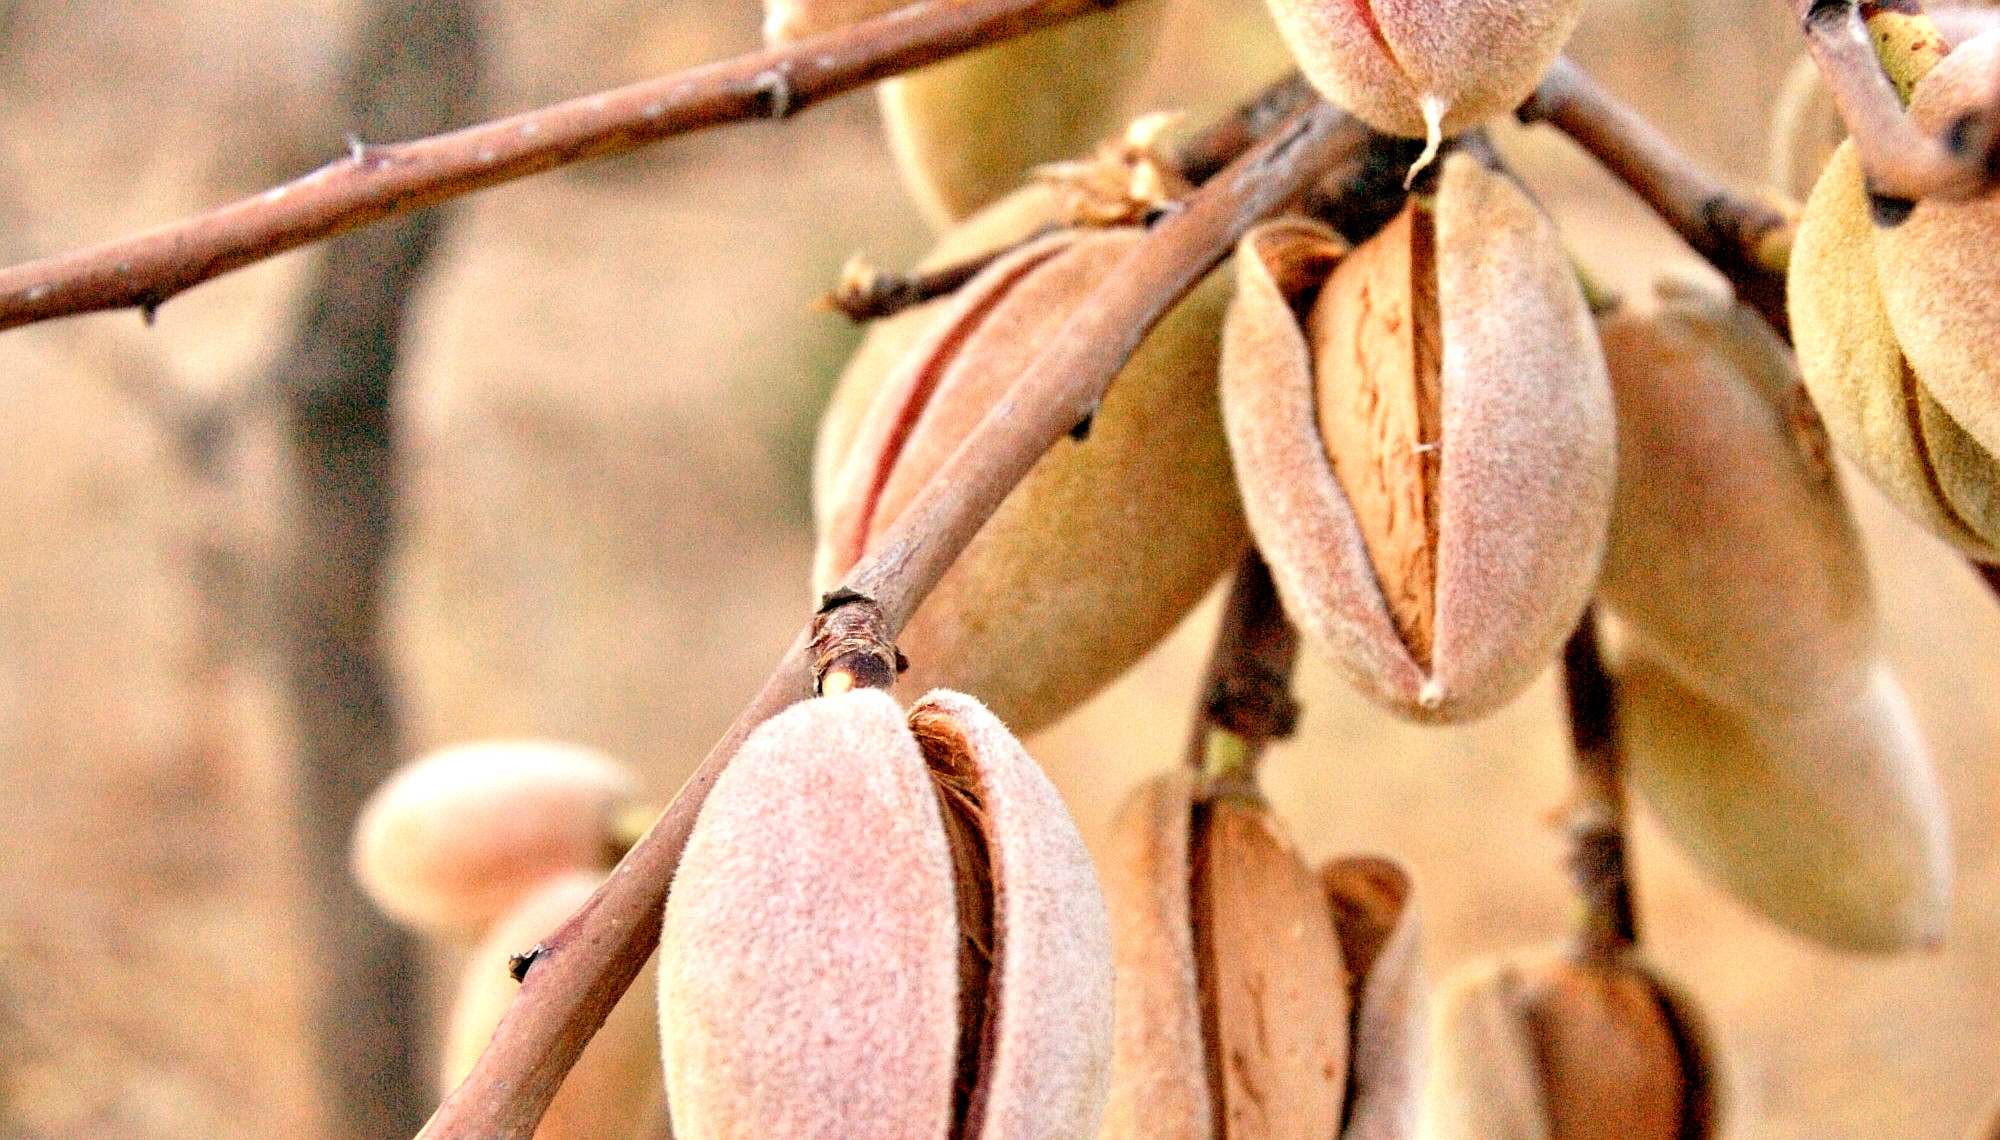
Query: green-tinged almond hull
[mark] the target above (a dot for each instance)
(1108, 541)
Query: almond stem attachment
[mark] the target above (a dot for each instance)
(852, 645)
(1607, 925)
(1247, 695)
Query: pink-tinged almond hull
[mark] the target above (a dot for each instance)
(809, 957)
(1050, 1010)
(1108, 541)
(1375, 911)
(1159, 1074)
(1383, 59)
(451, 842)
(1732, 553)
(1527, 469)
(1827, 819)
(614, 1091)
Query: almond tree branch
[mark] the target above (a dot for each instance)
(1597, 814)
(1902, 163)
(375, 182)
(588, 963)
(1748, 240)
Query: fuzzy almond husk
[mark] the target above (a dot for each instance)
(1826, 818)
(1875, 408)
(452, 841)
(967, 131)
(1940, 269)
(1418, 67)
(1526, 464)
(613, 1092)
(809, 960)
(1544, 1047)
(1106, 543)
(1732, 553)
(1219, 929)
(1375, 914)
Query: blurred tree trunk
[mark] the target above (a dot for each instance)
(414, 72)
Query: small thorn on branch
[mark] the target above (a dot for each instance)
(866, 293)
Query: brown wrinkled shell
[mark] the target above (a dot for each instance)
(1526, 469)
(1375, 915)
(1875, 409)
(1106, 543)
(1758, 720)
(451, 842)
(1542, 1047)
(1280, 1031)
(809, 957)
(1384, 59)
(613, 1092)
(1940, 269)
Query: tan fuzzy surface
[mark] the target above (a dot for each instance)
(454, 840)
(1611, 1068)
(1854, 367)
(1376, 915)
(1159, 1069)
(1379, 58)
(967, 131)
(1827, 818)
(1485, 1079)
(1106, 543)
(1940, 269)
(614, 1092)
(1275, 986)
(1732, 554)
(808, 962)
(1527, 469)
(1049, 1061)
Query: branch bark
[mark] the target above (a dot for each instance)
(588, 963)
(1747, 240)
(1246, 695)
(1902, 163)
(374, 182)
(1607, 925)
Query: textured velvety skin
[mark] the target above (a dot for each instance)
(1377, 917)
(1826, 818)
(1159, 1071)
(1528, 461)
(1485, 1079)
(614, 1091)
(1380, 59)
(1106, 544)
(1774, 745)
(1940, 269)
(967, 131)
(450, 842)
(1875, 409)
(1050, 1062)
(809, 958)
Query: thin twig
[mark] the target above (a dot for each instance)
(1748, 240)
(866, 293)
(375, 182)
(1246, 700)
(1607, 925)
(588, 963)
(1902, 163)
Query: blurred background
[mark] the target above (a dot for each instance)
(596, 391)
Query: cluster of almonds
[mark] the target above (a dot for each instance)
(885, 922)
